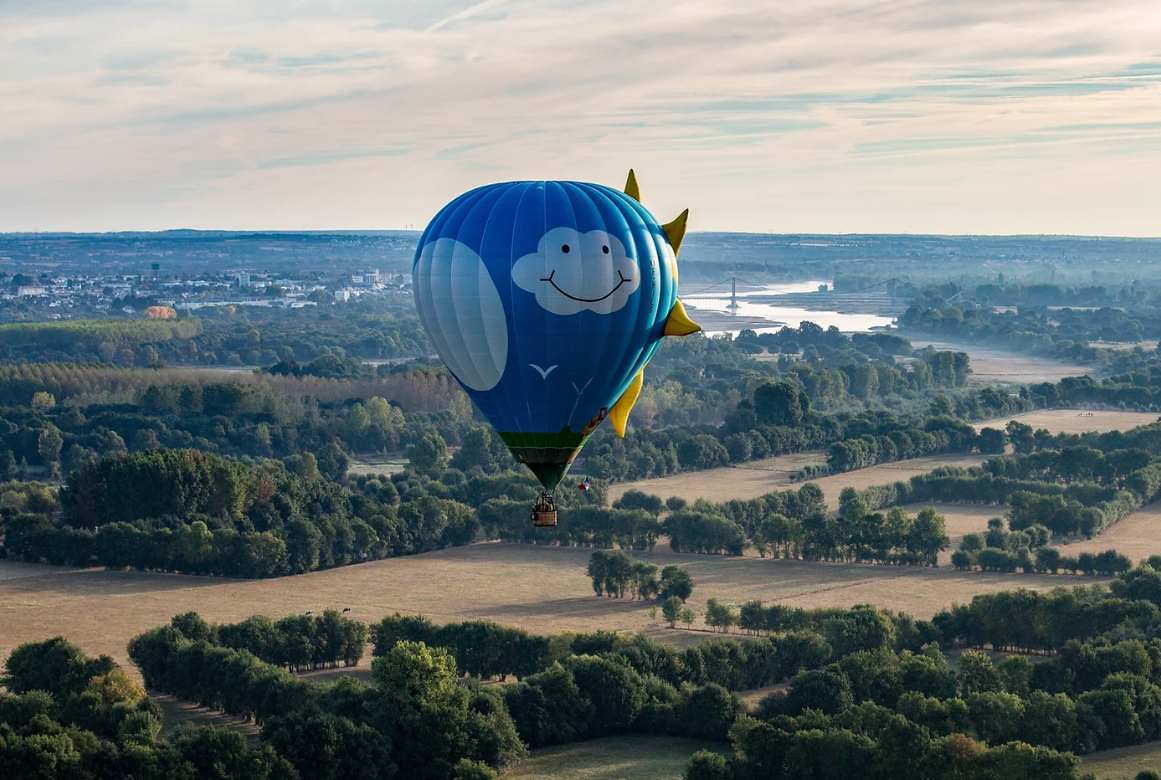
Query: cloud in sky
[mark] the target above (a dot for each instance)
(805, 115)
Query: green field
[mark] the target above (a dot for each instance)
(1123, 763)
(613, 758)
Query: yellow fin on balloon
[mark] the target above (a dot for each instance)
(675, 231)
(619, 414)
(678, 323)
(631, 187)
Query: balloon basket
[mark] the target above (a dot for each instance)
(544, 511)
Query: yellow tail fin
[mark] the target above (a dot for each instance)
(678, 323)
(619, 414)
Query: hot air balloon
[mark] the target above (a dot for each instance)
(545, 299)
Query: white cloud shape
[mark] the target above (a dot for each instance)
(571, 272)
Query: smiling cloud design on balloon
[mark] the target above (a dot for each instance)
(572, 271)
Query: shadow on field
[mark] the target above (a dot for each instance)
(110, 583)
(584, 607)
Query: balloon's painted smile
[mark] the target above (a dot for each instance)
(616, 287)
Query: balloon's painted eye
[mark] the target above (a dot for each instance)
(565, 249)
(605, 249)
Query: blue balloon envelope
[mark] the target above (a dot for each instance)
(545, 300)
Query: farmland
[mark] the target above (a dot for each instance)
(1137, 536)
(996, 365)
(539, 588)
(760, 477)
(1075, 421)
(1123, 762)
(612, 758)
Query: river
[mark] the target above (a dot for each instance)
(778, 316)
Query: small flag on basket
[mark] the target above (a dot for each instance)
(584, 485)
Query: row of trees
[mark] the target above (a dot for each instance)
(885, 713)
(193, 512)
(297, 642)
(615, 572)
(414, 721)
(1026, 549)
(1077, 508)
(68, 715)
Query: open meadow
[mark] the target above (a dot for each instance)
(539, 588)
(1123, 763)
(1137, 536)
(990, 364)
(750, 480)
(544, 589)
(1076, 421)
(754, 479)
(613, 758)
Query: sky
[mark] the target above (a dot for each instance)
(831, 116)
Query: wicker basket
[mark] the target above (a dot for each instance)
(544, 518)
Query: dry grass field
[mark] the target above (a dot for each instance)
(1137, 536)
(1075, 421)
(745, 482)
(996, 365)
(1123, 763)
(754, 479)
(613, 758)
(542, 589)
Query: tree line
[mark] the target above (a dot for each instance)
(68, 715)
(885, 710)
(193, 512)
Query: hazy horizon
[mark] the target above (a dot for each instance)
(832, 118)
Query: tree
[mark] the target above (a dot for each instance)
(928, 535)
(941, 406)
(467, 769)
(42, 401)
(616, 691)
(671, 610)
(707, 765)
(431, 720)
(644, 584)
(428, 456)
(720, 615)
(223, 754)
(776, 403)
(636, 499)
(687, 616)
(323, 746)
(49, 444)
(676, 582)
(475, 451)
(333, 462)
(991, 441)
(865, 382)
(1021, 436)
(977, 674)
(710, 712)
(611, 572)
(824, 690)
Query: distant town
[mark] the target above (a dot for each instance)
(75, 294)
